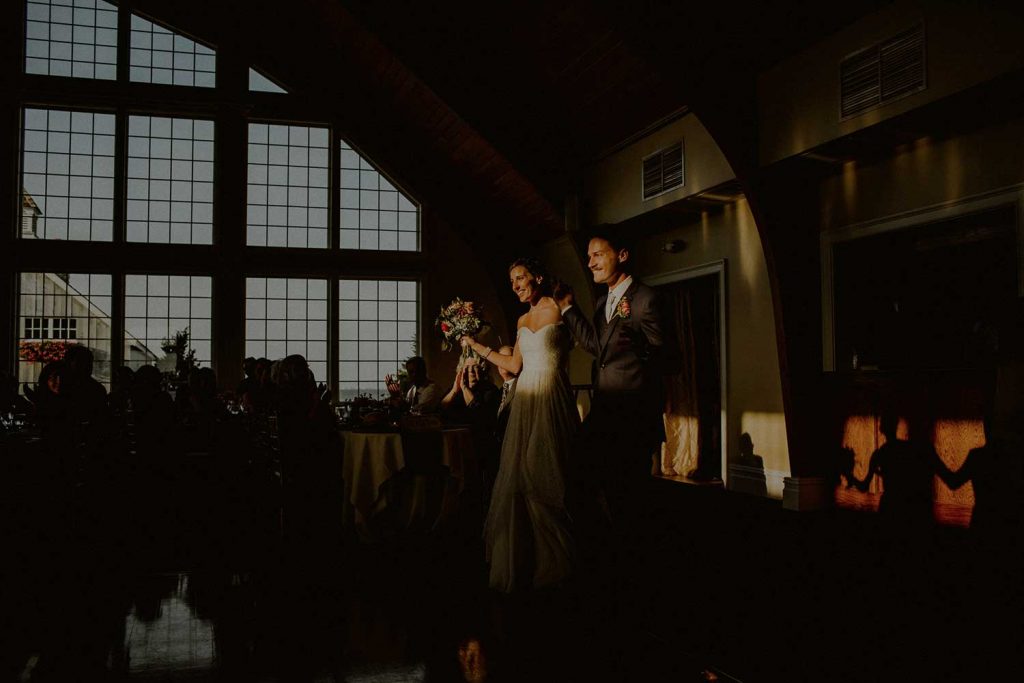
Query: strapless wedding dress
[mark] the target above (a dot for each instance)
(527, 528)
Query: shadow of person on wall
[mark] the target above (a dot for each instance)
(996, 471)
(907, 470)
(753, 475)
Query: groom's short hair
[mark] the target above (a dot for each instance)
(616, 239)
(613, 237)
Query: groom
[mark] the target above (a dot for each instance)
(624, 427)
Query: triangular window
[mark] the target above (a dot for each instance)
(159, 55)
(260, 83)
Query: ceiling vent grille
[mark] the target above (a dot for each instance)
(663, 170)
(882, 73)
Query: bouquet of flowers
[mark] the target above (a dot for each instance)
(457, 319)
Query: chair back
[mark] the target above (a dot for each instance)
(421, 443)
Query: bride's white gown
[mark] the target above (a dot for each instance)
(527, 529)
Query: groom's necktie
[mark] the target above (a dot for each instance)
(506, 388)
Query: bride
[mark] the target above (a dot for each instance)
(527, 528)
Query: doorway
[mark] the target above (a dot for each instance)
(694, 303)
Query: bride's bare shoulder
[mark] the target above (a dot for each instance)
(524, 319)
(549, 309)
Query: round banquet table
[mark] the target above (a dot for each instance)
(370, 459)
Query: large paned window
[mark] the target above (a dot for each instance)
(159, 55)
(374, 213)
(377, 332)
(68, 171)
(53, 304)
(71, 38)
(288, 186)
(131, 175)
(284, 316)
(159, 308)
(170, 180)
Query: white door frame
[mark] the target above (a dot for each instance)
(689, 273)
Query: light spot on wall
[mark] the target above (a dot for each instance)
(768, 432)
(849, 185)
(954, 170)
(953, 440)
(752, 268)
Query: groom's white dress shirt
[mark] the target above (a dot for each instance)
(614, 295)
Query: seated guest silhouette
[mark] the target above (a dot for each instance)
(259, 397)
(474, 400)
(423, 396)
(249, 381)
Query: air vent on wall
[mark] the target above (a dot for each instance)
(663, 170)
(882, 73)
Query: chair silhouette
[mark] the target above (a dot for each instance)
(424, 478)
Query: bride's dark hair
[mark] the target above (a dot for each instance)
(548, 283)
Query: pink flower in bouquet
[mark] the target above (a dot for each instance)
(459, 319)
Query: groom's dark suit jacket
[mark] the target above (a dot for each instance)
(627, 370)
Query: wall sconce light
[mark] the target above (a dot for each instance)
(674, 246)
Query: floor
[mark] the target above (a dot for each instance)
(170, 583)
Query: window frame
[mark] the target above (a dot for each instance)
(228, 260)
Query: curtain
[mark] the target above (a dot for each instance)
(692, 388)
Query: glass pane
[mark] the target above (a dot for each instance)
(67, 175)
(372, 343)
(260, 83)
(288, 186)
(59, 310)
(159, 55)
(167, 318)
(65, 40)
(287, 316)
(373, 211)
(170, 180)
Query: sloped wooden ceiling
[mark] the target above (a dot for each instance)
(327, 58)
(487, 111)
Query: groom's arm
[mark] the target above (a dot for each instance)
(582, 329)
(650, 325)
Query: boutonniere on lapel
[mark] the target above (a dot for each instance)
(622, 309)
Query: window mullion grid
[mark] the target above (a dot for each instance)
(333, 242)
(333, 352)
(117, 288)
(120, 175)
(334, 190)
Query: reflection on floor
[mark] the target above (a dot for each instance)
(726, 587)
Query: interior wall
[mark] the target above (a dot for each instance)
(798, 99)
(612, 194)
(455, 271)
(925, 173)
(754, 388)
(614, 185)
